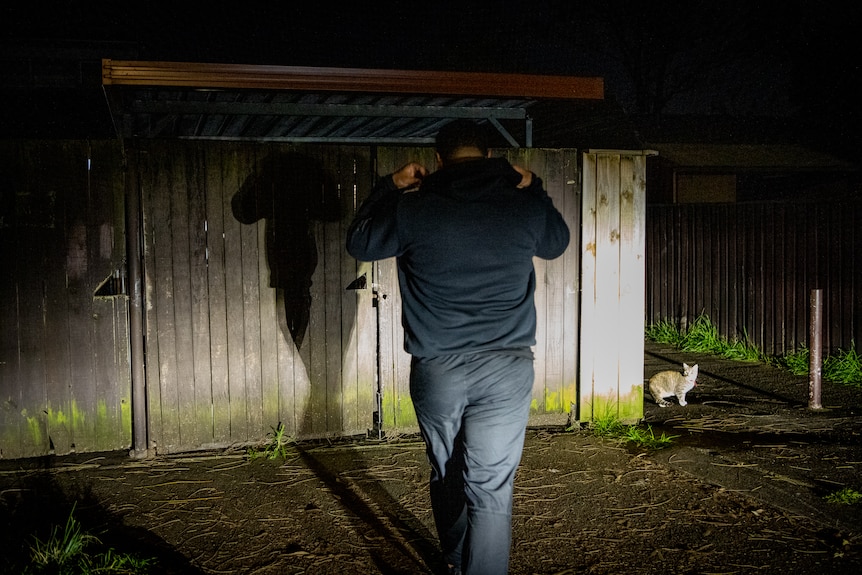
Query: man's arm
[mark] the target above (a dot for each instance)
(556, 235)
(373, 234)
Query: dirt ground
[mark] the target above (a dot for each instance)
(741, 490)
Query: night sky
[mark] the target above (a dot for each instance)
(656, 57)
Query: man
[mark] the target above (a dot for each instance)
(465, 242)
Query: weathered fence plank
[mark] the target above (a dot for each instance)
(568, 201)
(606, 334)
(219, 174)
(612, 291)
(589, 317)
(631, 257)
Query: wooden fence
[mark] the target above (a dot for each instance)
(64, 359)
(230, 349)
(248, 322)
(221, 366)
(751, 267)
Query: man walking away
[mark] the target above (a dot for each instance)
(465, 242)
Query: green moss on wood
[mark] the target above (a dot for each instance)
(627, 408)
(398, 411)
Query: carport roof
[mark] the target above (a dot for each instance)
(208, 101)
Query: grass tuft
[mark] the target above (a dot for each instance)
(845, 496)
(275, 447)
(72, 551)
(609, 426)
(702, 336)
(795, 362)
(63, 547)
(606, 426)
(844, 367)
(664, 331)
(646, 437)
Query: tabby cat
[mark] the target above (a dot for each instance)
(670, 383)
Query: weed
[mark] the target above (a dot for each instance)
(796, 362)
(611, 427)
(606, 426)
(112, 562)
(844, 367)
(64, 546)
(741, 350)
(845, 496)
(276, 445)
(664, 331)
(702, 337)
(647, 438)
(69, 550)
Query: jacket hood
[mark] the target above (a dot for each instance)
(471, 178)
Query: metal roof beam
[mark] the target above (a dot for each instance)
(505, 133)
(350, 110)
(372, 140)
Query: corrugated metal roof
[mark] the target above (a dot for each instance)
(334, 105)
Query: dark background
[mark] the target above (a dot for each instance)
(794, 60)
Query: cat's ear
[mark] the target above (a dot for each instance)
(685, 366)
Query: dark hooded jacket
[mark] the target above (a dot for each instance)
(464, 243)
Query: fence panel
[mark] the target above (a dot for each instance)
(750, 268)
(64, 371)
(248, 322)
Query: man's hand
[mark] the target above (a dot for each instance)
(526, 176)
(409, 175)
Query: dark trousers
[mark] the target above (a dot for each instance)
(472, 412)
